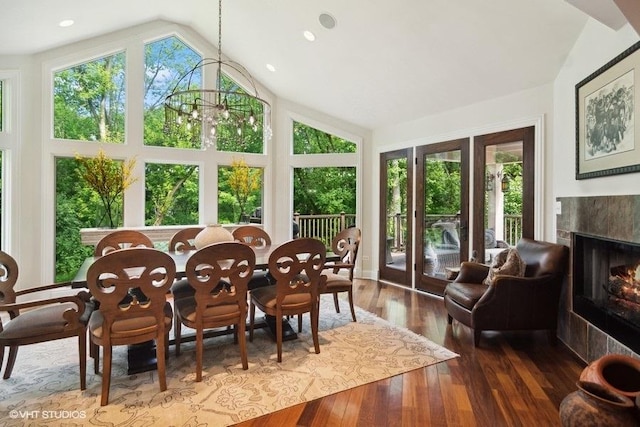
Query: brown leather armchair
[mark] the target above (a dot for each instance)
(511, 303)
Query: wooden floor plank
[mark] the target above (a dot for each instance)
(511, 379)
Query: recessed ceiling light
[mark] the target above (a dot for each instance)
(327, 21)
(271, 68)
(66, 23)
(309, 35)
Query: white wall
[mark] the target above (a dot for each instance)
(596, 46)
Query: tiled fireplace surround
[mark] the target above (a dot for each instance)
(615, 217)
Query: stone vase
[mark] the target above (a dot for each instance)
(617, 372)
(593, 405)
(213, 233)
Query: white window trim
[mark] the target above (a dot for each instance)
(9, 143)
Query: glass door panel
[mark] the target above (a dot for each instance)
(395, 255)
(503, 191)
(442, 213)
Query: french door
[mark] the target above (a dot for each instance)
(503, 196)
(442, 212)
(396, 222)
(426, 245)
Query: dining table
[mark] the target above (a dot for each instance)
(141, 357)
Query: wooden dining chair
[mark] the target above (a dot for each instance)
(253, 236)
(345, 245)
(123, 321)
(183, 240)
(40, 320)
(296, 267)
(121, 239)
(219, 274)
(259, 240)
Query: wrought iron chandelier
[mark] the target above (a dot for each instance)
(226, 112)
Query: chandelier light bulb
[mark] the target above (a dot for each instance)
(239, 130)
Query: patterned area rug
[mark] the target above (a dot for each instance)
(44, 388)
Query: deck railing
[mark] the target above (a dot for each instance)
(323, 227)
(397, 226)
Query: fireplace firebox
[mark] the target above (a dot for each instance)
(606, 286)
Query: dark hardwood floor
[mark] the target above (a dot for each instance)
(511, 379)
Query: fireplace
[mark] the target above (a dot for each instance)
(606, 286)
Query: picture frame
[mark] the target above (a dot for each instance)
(608, 118)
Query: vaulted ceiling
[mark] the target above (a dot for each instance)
(383, 63)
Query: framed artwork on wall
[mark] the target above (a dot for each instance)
(608, 118)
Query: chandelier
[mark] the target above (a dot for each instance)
(226, 113)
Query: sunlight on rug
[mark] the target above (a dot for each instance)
(45, 380)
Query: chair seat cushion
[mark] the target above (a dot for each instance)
(267, 297)
(182, 288)
(260, 279)
(129, 327)
(187, 309)
(336, 282)
(466, 294)
(40, 321)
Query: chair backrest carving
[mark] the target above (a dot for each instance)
(121, 239)
(253, 236)
(183, 240)
(8, 278)
(346, 244)
(296, 267)
(213, 268)
(150, 271)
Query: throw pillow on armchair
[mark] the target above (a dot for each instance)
(507, 262)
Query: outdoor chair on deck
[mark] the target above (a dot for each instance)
(296, 267)
(345, 245)
(216, 302)
(122, 321)
(40, 320)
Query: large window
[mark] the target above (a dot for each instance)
(89, 100)
(77, 206)
(171, 170)
(309, 140)
(324, 190)
(248, 139)
(165, 62)
(240, 189)
(171, 194)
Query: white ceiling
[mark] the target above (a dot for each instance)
(384, 63)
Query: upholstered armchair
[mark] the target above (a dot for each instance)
(508, 302)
